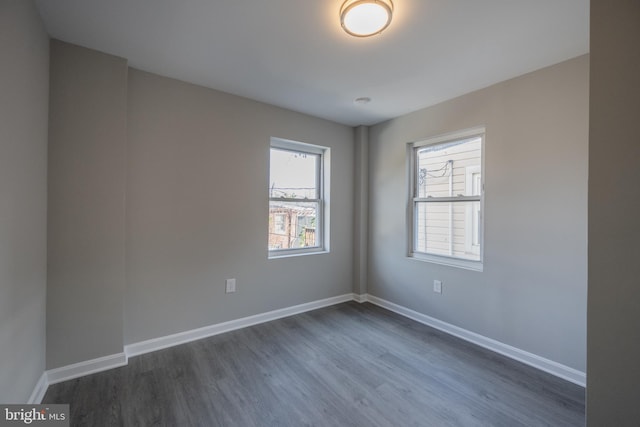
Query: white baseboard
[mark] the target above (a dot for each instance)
(360, 298)
(80, 369)
(86, 367)
(160, 343)
(554, 368)
(39, 390)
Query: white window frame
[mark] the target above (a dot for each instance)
(322, 182)
(413, 200)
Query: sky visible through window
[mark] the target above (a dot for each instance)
(292, 174)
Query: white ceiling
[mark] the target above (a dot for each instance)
(293, 53)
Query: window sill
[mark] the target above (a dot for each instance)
(296, 253)
(448, 261)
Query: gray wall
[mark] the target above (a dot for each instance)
(197, 209)
(613, 372)
(532, 293)
(87, 143)
(192, 165)
(24, 89)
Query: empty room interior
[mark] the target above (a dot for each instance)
(283, 213)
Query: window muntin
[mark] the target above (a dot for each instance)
(446, 199)
(296, 198)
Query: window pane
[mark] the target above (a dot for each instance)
(448, 228)
(293, 225)
(293, 175)
(442, 169)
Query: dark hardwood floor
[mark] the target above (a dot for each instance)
(346, 365)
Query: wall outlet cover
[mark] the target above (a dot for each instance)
(230, 285)
(437, 286)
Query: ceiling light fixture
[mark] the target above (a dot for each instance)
(364, 18)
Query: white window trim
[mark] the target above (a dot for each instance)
(322, 218)
(410, 223)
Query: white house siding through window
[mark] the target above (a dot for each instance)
(444, 172)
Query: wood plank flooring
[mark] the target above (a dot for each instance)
(346, 365)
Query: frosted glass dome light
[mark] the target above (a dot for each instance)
(364, 18)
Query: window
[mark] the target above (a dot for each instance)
(297, 198)
(447, 198)
(279, 227)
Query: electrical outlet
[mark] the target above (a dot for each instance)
(437, 286)
(230, 286)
